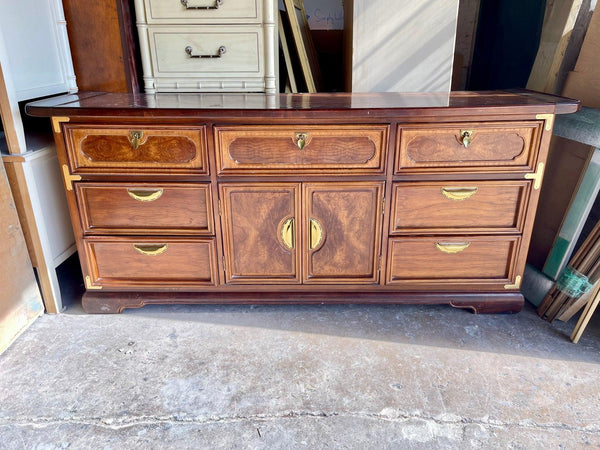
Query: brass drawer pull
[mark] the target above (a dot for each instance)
(220, 52)
(466, 136)
(301, 140)
(151, 249)
(448, 247)
(316, 233)
(142, 195)
(459, 193)
(135, 137)
(287, 233)
(217, 4)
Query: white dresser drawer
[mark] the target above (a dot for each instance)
(194, 51)
(203, 11)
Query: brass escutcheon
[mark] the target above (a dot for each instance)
(466, 136)
(301, 139)
(135, 137)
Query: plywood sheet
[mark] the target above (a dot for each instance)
(20, 300)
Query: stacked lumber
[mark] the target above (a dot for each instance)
(577, 284)
(584, 81)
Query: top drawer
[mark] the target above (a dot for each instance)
(339, 149)
(460, 147)
(203, 11)
(147, 149)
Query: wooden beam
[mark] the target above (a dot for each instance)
(559, 22)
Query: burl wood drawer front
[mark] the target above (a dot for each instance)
(152, 262)
(147, 149)
(451, 260)
(203, 11)
(462, 147)
(459, 207)
(207, 51)
(145, 208)
(340, 149)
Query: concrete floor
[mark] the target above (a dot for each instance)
(300, 377)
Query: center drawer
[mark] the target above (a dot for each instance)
(145, 208)
(153, 262)
(339, 149)
(459, 207)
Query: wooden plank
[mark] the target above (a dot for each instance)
(9, 111)
(305, 48)
(287, 57)
(589, 56)
(20, 301)
(559, 22)
(586, 315)
(22, 182)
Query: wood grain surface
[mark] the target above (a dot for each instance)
(112, 208)
(365, 193)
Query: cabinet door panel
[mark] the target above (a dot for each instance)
(255, 221)
(342, 232)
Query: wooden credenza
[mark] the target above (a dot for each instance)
(217, 198)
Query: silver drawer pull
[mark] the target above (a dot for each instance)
(220, 52)
(217, 4)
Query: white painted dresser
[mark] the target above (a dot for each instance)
(208, 45)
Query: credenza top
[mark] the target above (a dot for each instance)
(284, 105)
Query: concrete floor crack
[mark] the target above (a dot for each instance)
(117, 423)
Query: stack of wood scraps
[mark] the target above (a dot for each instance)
(578, 285)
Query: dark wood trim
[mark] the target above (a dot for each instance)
(481, 303)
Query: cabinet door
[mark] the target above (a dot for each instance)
(259, 232)
(342, 232)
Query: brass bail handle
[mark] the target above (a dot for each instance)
(135, 137)
(217, 4)
(301, 140)
(287, 233)
(452, 247)
(145, 195)
(466, 136)
(151, 249)
(459, 193)
(316, 233)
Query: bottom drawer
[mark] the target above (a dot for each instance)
(456, 261)
(151, 262)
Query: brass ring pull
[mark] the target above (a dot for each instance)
(316, 233)
(217, 4)
(466, 136)
(448, 247)
(142, 195)
(459, 193)
(151, 249)
(287, 233)
(301, 140)
(135, 137)
(220, 52)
